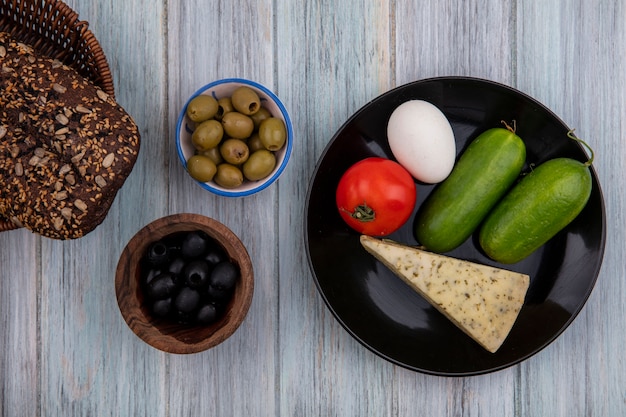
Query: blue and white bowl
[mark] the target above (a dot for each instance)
(225, 88)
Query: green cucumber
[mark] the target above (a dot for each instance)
(482, 175)
(537, 208)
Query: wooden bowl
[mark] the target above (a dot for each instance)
(170, 336)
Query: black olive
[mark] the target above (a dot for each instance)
(196, 274)
(215, 255)
(162, 308)
(194, 245)
(162, 286)
(218, 294)
(207, 314)
(158, 254)
(176, 266)
(187, 300)
(224, 276)
(151, 274)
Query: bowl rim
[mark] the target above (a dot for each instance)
(127, 284)
(289, 143)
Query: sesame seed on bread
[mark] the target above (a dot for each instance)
(66, 147)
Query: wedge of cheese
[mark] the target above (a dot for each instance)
(481, 300)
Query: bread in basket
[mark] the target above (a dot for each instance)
(66, 146)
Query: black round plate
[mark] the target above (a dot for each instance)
(382, 312)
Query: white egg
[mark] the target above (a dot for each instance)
(422, 140)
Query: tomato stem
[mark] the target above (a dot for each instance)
(571, 135)
(362, 213)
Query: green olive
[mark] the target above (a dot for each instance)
(254, 143)
(259, 165)
(201, 108)
(213, 154)
(201, 168)
(237, 125)
(259, 116)
(207, 135)
(246, 100)
(234, 151)
(228, 176)
(273, 133)
(224, 105)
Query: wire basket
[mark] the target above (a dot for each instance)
(53, 29)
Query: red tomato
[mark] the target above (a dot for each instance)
(376, 196)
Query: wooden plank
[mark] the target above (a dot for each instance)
(573, 58)
(468, 38)
(453, 38)
(340, 59)
(19, 283)
(91, 363)
(207, 42)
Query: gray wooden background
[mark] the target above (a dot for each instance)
(64, 347)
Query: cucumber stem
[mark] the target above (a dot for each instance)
(571, 135)
(509, 128)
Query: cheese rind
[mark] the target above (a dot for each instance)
(481, 300)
